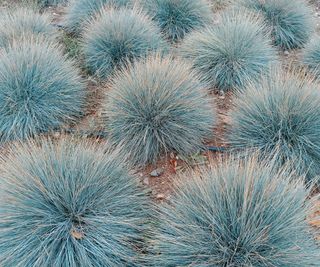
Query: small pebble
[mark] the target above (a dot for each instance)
(76, 234)
(286, 53)
(160, 196)
(146, 181)
(157, 172)
(56, 135)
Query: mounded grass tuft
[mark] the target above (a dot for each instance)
(241, 214)
(70, 203)
(311, 56)
(157, 106)
(117, 37)
(178, 17)
(18, 23)
(291, 21)
(232, 53)
(82, 11)
(281, 117)
(40, 90)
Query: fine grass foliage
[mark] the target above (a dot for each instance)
(311, 56)
(242, 213)
(280, 116)
(18, 3)
(117, 36)
(157, 106)
(72, 46)
(80, 12)
(69, 203)
(46, 3)
(176, 18)
(232, 53)
(39, 90)
(291, 21)
(21, 22)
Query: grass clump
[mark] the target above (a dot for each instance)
(281, 117)
(69, 203)
(22, 22)
(82, 11)
(178, 17)
(291, 21)
(241, 214)
(119, 36)
(156, 106)
(311, 56)
(39, 90)
(230, 54)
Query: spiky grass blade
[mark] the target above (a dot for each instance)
(291, 21)
(178, 17)
(155, 106)
(241, 214)
(117, 37)
(69, 204)
(21, 22)
(82, 11)
(280, 116)
(311, 56)
(39, 90)
(230, 54)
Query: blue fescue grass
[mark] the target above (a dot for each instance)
(232, 53)
(280, 116)
(178, 17)
(311, 56)
(291, 21)
(118, 36)
(82, 11)
(243, 213)
(157, 106)
(20, 22)
(40, 89)
(69, 203)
